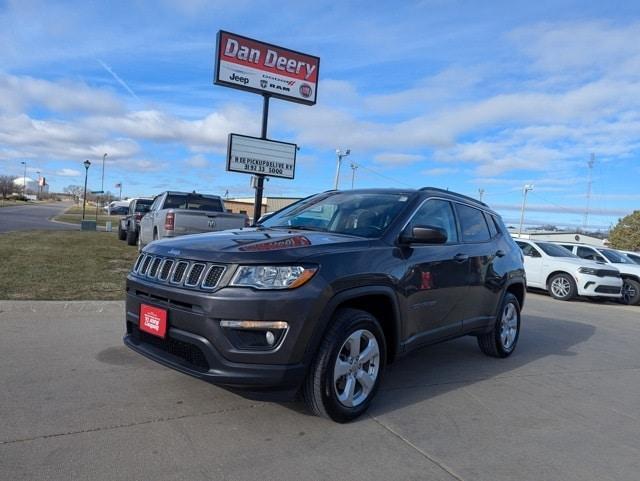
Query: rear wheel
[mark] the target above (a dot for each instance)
(502, 339)
(631, 292)
(345, 375)
(132, 237)
(562, 287)
(122, 234)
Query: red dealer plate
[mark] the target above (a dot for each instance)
(153, 320)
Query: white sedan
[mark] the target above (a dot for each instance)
(555, 269)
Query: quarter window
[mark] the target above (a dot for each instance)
(491, 222)
(587, 253)
(436, 213)
(472, 224)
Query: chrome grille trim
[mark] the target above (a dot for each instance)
(165, 269)
(195, 273)
(218, 276)
(155, 265)
(145, 265)
(184, 273)
(178, 274)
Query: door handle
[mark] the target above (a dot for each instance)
(500, 253)
(460, 257)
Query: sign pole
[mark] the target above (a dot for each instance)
(257, 207)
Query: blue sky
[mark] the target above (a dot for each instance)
(455, 94)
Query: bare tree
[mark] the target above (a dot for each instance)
(75, 190)
(6, 185)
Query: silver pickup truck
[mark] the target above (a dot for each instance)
(174, 214)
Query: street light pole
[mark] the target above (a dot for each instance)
(525, 190)
(24, 179)
(39, 186)
(340, 155)
(354, 166)
(84, 197)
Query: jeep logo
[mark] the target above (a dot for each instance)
(238, 78)
(211, 223)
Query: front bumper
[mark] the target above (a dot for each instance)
(195, 343)
(594, 286)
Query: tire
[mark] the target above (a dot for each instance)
(139, 242)
(631, 292)
(122, 234)
(344, 397)
(132, 237)
(155, 234)
(501, 341)
(562, 287)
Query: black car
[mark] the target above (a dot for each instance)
(129, 227)
(320, 296)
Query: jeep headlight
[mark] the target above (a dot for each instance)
(588, 270)
(272, 277)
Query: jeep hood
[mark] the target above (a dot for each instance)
(255, 245)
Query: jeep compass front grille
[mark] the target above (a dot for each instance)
(178, 272)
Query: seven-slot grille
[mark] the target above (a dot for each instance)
(179, 272)
(607, 273)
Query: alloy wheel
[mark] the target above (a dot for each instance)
(508, 326)
(356, 368)
(560, 287)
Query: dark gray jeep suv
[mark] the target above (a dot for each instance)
(321, 295)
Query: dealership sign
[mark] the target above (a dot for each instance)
(251, 155)
(262, 68)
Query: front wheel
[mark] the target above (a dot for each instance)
(345, 375)
(631, 292)
(502, 339)
(562, 287)
(132, 237)
(122, 234)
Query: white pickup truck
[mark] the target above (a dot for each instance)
(174, 214)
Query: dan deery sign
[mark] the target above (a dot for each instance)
(263, 68)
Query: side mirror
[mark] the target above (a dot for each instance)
(424, 234)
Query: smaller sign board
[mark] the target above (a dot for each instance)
(263, 68)
(252, 155)
(97, 191)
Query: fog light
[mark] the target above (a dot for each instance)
(271, 339)
(254, 335)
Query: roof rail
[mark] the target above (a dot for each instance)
(455, 194)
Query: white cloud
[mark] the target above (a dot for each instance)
(198, 161)
(438, 171)
(392, 158)
(68, 172)
(17, 93)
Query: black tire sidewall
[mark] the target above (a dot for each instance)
(335, 409)
(636, 299)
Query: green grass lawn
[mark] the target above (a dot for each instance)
(63, 265)
(73, 215)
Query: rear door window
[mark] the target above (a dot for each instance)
(591, 254)
(472, 224)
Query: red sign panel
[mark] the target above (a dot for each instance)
(153, 320)
(259, 67)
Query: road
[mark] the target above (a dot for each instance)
(33, 217)
(76, 404)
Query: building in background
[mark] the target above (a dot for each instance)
(561, 237)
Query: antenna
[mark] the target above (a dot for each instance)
(590, 164)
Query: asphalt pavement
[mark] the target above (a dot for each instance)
(33, 217)
(76, 404)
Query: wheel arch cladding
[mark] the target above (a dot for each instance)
(555, 273)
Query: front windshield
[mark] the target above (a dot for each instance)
(352, 213)
(614, 257)
(554, 250)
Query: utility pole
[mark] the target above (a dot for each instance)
(340, 154)
(481, 192)
(590, 164)
(354, 166)
(24, 179)
(525, 190)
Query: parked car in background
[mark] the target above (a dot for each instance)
(564, 275)
(629, 270)
(324, 293)
(129, 226)
(117, 207)
(174, 214)
(634, 256)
